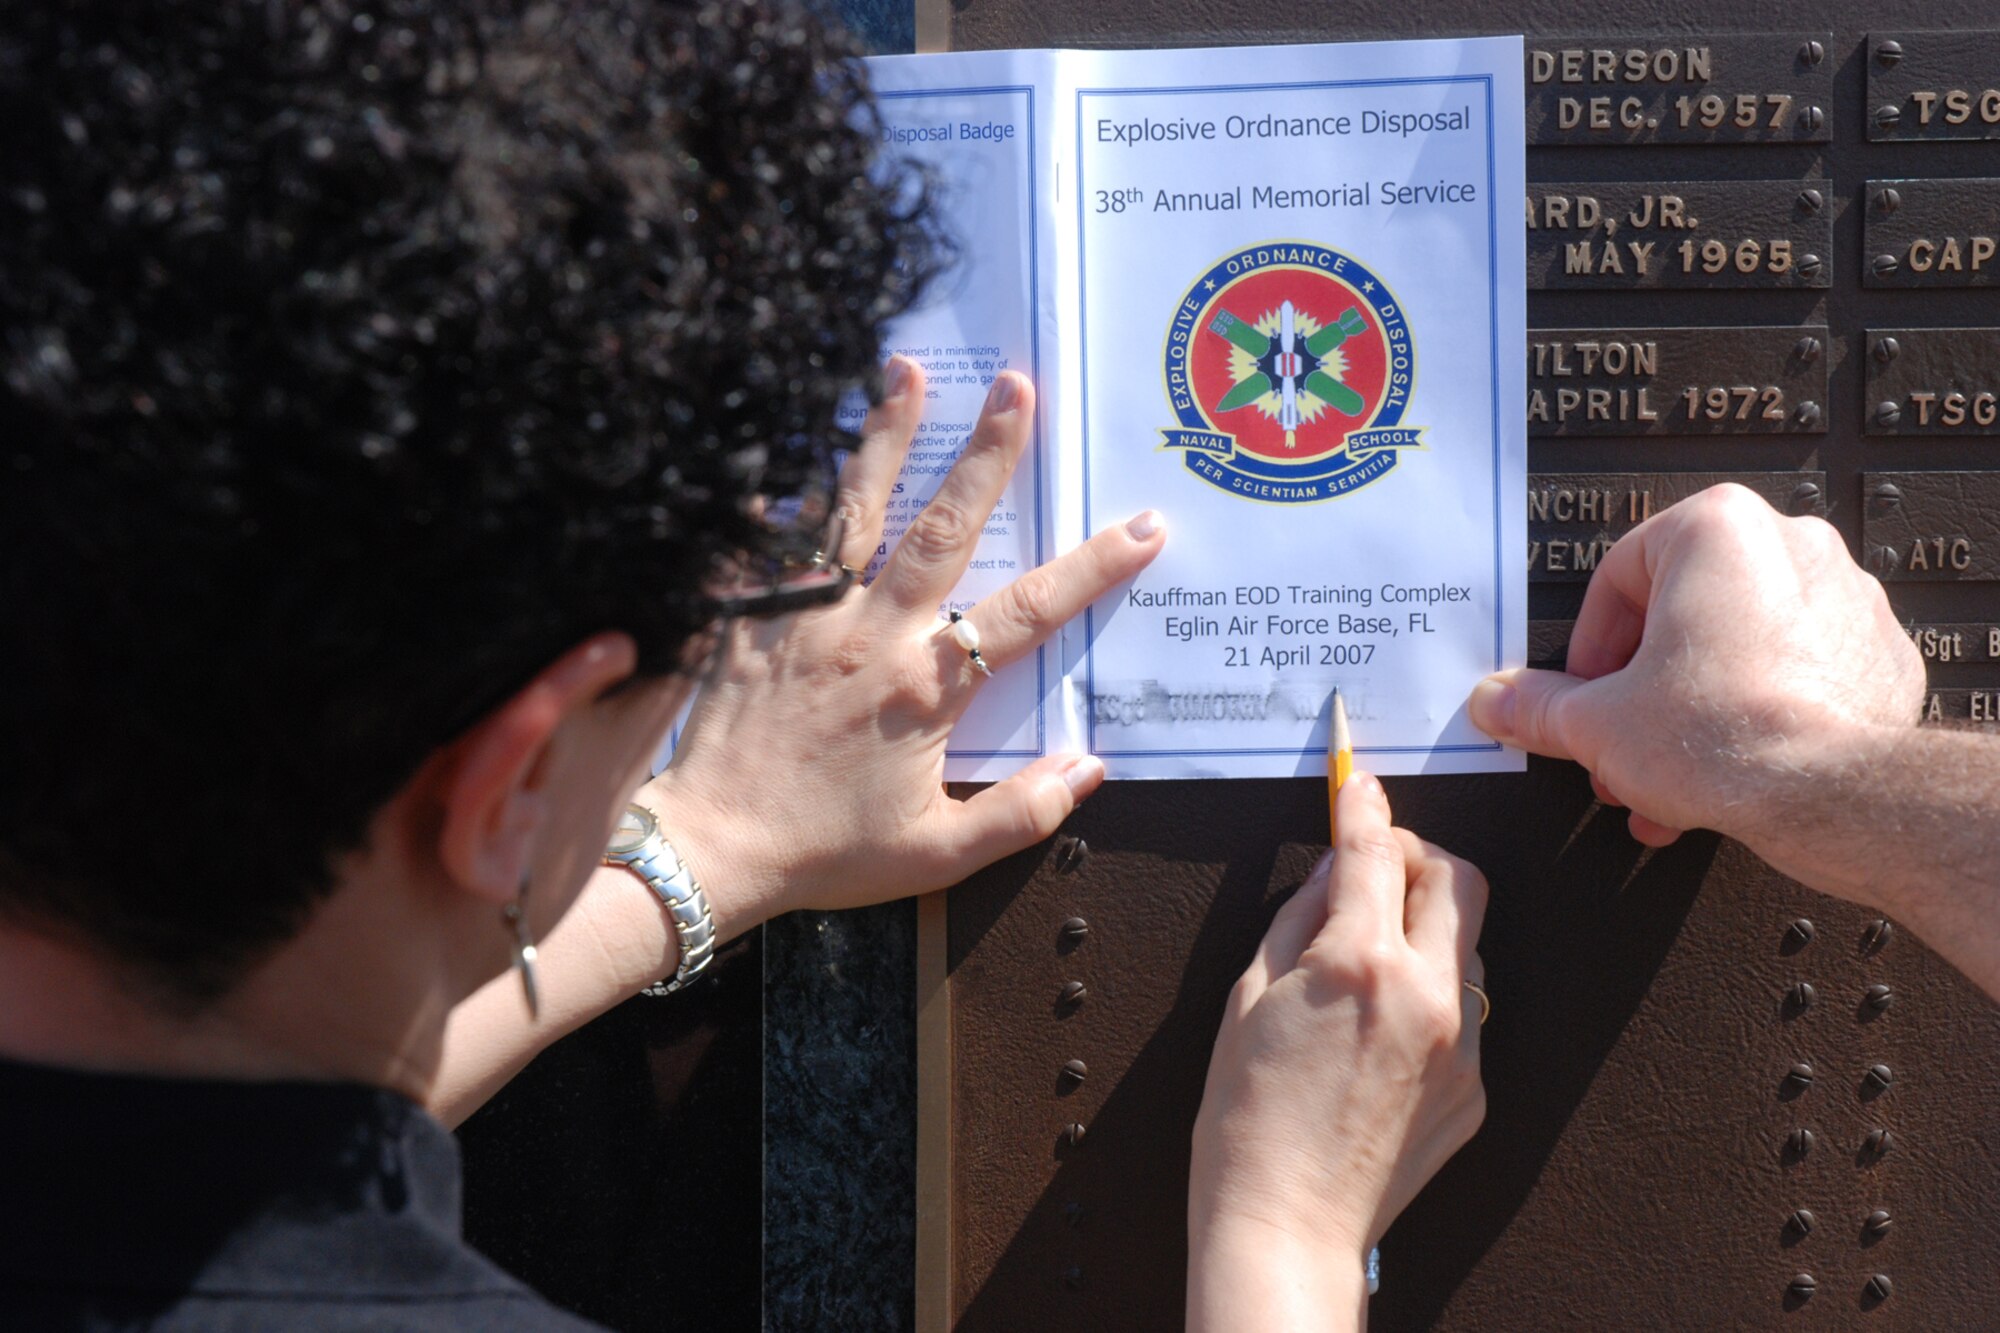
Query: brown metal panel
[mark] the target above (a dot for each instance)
(1635, 1171)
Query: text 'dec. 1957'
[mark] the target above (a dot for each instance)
(1739, 88)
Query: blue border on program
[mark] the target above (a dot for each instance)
(1035, 359)
(1083, 354)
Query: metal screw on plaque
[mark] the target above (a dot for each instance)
(1886, 350)
(1811, 200)
(1888, 199)
(1802, 1287)
(1798, 1143)
(1800, 1223)
(1799, 1078)
(1799, 934)
(1807, 350)
(1888, 495)
(1876, 1081)
(1073, 930)
(1801, 995)
(1811, 119)
(1876, 1225)
(1073, 1072)
(1879, 1288)
(1812, 53)
(1885, 265)
(1073, 993)
(1887, 116)
(1073, 1278)
(1888, 413)
(1073, 1133)
(1878, 1143)
(1807, 414)
(1805, 496)
(1888, 53)
(1876, 938)
(1808, 266)
(1070, 855)
(1879, 997)
(1884, 558)
(1073, 1212)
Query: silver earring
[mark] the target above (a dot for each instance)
(524, 949)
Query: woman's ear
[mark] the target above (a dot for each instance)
(494, 776)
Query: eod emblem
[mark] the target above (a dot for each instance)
(1288, 367)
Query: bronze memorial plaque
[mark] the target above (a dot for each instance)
(1931, 233)
(1641, 1153)
(1769, 87)
(1622, 235)
(1703, 381)
(1574, 517)
(1933, 382)
(1931, 527)
(1934, 85)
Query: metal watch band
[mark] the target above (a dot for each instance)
(667, 875)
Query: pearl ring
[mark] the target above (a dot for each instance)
(966, 635)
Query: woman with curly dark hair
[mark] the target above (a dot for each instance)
(399, 402)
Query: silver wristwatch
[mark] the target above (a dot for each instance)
(636, 844)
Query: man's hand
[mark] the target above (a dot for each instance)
(811, 772)
(1345, 1074)
(1726, 658)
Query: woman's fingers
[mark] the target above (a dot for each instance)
(1365, 890)
(1291, 931)
(1031, 608)
(1015, 813)
(931, 555)
(1444, 906)
(869, 476)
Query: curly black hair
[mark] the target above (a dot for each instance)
(358, 357)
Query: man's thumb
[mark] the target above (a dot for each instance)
(1529, 709)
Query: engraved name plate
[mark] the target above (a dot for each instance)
(1933, 85)
(1703, 381)
(1981, 708)
(1931, 527)
(1930, 233)
(1574, 517)
(1739, 88)
(1626, 235)
(1933, 382)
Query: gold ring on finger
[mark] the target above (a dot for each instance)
(1485, 1000)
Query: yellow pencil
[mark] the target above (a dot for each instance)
(1339, 761)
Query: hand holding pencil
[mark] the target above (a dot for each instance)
(1348, 1052)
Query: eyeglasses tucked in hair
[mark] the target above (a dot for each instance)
(799, 567)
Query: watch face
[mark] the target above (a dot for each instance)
(634, 827)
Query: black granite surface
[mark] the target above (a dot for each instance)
(619, 1173)
(840, 1120)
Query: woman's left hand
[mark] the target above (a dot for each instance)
(811, 772)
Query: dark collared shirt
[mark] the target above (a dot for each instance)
(143, 1203)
